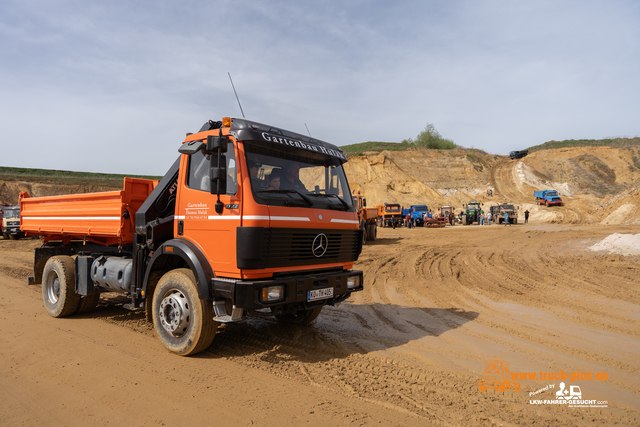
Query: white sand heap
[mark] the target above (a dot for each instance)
(624, 244)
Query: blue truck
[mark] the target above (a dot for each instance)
(417, 214)
(547, 198)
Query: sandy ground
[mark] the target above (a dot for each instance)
(409, 350)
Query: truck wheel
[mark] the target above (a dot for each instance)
(301, 318)
(87, 303)
(515, 221)
(13, 236)
(371, 232)
(182, 320)
(59, 286)
(6, 236)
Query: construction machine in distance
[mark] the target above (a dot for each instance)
(446, 214)
(210, 242)
(471, 212)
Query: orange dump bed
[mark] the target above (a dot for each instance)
(106, 218)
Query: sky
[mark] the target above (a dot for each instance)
(114, 86)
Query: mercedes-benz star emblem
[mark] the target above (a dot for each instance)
(320, 245)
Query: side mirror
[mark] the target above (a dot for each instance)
(218, 175)
(215, 143)
(191, 147)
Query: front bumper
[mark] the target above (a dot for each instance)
(248, 294)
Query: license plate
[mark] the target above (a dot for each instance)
(319, 294)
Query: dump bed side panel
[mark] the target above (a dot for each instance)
(106, 218)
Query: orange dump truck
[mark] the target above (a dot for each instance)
(250, 220)
(367, 218)
(390, 215)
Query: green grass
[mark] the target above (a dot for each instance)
(612, 142)
(360, 148)
(65, 177)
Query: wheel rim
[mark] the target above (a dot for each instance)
(52, 285)
(175, 313)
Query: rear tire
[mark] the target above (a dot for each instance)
(184, 323)
(59, 286)
(301, 318)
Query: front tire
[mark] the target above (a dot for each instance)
(59, 286)
(301, 318)
(184, 323)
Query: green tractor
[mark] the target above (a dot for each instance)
(471, 212)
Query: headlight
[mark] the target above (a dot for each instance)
(273, 293)
(353, 282)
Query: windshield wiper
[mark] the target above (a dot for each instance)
(345, 204)
(305, 198)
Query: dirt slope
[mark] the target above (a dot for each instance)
(587, 178)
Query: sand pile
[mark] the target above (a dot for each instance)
(623, 244)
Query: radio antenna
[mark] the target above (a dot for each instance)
(305, 125)
(234, 91)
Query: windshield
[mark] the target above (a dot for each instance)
(420, 209)
(291, 177)
(11, 213)
(507, 207)
(392, 208)
(472, 207)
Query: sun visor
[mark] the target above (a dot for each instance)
(303, 143)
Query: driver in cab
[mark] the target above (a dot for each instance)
(291, 179)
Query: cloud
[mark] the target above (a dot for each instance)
(113, 87)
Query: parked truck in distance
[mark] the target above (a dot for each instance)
(11, 223)
(210, 242)
(518, 154)
(547, 198)
(390, 215)
(417, 213)
(367, 218)
(498, 212)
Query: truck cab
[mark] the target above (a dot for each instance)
(417, 214)
(11, 223)
(390, 215)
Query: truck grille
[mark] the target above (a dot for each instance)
(260, 247)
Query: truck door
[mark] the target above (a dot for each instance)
(196, 217)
